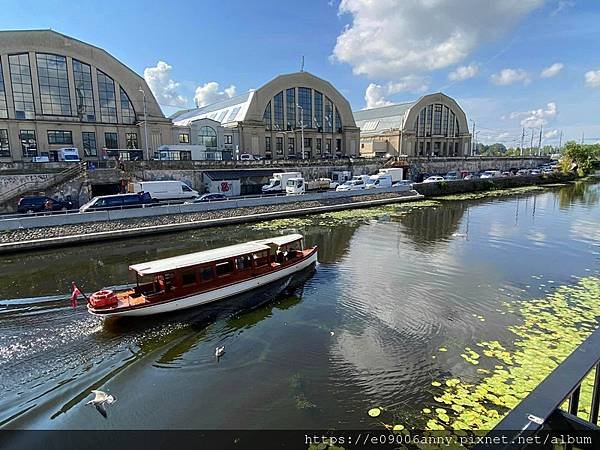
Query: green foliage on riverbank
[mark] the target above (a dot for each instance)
(581, 155)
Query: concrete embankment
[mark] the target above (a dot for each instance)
(59, 236)
(467, 186)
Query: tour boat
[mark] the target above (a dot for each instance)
(199, 278)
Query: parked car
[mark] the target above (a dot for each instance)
(433, 179)
(507, 174)
(209, 198)
(491, 174)
(451, 176)
(246, 157)
(352, 185)
(548, 170)
(522, 172)
(41, 203)
(536, 172)
(471, 176)
(105, 202)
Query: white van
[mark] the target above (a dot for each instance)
(69, 154)
(380, 181)
(397, 173)
(164, 190)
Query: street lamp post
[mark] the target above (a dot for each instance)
(145, 125)
(301, 128)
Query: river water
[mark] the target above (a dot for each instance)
(392, 286)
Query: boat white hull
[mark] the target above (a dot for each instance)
(210, 296)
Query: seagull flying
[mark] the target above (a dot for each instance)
(101, 398)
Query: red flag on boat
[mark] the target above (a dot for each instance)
(75, 292)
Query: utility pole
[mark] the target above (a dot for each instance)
(560, 141)
(474, 143)
(540, 141)
(531, 145)
(145, 124)
(522, 140)
(582, 137)
(301, 127)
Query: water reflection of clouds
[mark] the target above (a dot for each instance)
(585, 230)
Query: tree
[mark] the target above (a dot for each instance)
(580, 156)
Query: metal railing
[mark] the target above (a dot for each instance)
(67, 174)
(540, 412)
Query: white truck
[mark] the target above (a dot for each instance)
(379, 181)
(339, 177)
(68, 154)
(397, 174)
(164, 190)
(278, 183)
(295, 186)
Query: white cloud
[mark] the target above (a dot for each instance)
(552, 134)
(551, 71)
(375, 94)
(396, 38)
(537, 117)
(464, 72)
(510, 76)
(563, 5)
(209, 93)
(165, 89)
(592, 78)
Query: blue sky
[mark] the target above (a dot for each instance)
(373, 52)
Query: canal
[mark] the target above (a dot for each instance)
(398, 293)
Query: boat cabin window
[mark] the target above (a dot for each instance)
(261, 258)
(224, 268)
(243, 262)
(206, 274)
(188, 278)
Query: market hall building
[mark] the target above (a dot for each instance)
(434, 125)
(270, 121)
(56, 91)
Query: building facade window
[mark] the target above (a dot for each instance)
(268, 144)
(278, 111)
(3, 104)
(291, 146)
(184, 138)
(445, 121)
(4, 144)
(108, 102)
(328, 118)
(207, 137)
(338, 146)
(84, 91)
(90, 148)
(437, 120)
(307, 143)
(279, 145)
(451, 121)
(318, 110)
(267, 116)
(228, 139)
(305, 103)
(127, 111)
(60, 137)
(28, 143)
(111, 140)
(54, 84)
(338, 121)
(319, 147)
(20, 77)
(290, 100)
(131, 141)
(328, 146)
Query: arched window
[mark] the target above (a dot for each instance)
(267, 116)
(207, 137)
(127, 111)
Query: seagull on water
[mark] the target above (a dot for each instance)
(219, 351)
(100, 399)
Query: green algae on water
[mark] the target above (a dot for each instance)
(551, 328)
(491, 194)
